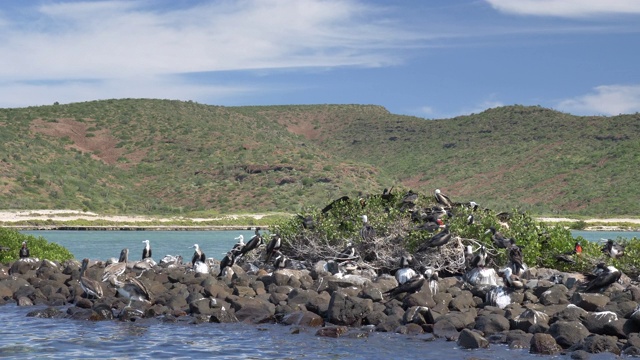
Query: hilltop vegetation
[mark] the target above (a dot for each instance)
(173, 157)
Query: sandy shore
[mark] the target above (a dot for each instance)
(9, 216)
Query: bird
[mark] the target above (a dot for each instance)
(118, 268)
(387, 194)
(24, 250)
(226, 262)
(307, 221)
(146, 252)
(510, 279)
(255, 241)
(280, 261)
(201, 267)
(479, 259)
(91, 287)
(514, 254)
(437, 240)
(198, 255)
(409, 200)
(470, 219)
(347, 253)
(431, 275)
(237, 248)
(499, 240)
(442, 199)
(131, 289)
(607, 275)
(404, 273)
(335, 202)
(568, 257)
(431, 226)
(413, 285)
(274, 245)
(614, 250)
(367, 232)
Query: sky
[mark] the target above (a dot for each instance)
(432, 59)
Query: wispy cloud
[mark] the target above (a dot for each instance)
(567, 8)
(605, 100)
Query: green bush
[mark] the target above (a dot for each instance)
(11, 242)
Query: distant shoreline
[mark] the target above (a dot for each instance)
(58, 218)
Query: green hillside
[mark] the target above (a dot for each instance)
(171, 157)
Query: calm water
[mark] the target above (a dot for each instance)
(31, 338)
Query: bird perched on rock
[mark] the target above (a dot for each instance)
(226, 262)
(255, 242)
(367, 232)
(404, 273)
(510, 279)
(131, 289)
(514, 254)
(411, 286)
(237, 248)
(607, 275)
(146, 252)
(24, 250)
(118, 268)
(91, 287)
(198, 255)
(273, 246)
(479, 259)
(613, 249)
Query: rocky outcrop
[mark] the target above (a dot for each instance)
(545, 317)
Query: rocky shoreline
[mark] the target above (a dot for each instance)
(550, 315)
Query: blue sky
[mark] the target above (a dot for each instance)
(432, 59)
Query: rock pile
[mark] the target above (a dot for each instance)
(549, 315)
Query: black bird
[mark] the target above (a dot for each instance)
(387, 195)
(255, 241)
(607, 275)
(431, 226)
(409, 200)
(411, 286)
(568, 257)
(198, 255)
(499, 240)
(146, 252)
(438, 239)
(613, 249)
(442, 199)
(24, 250)
(367, 232)
(91, 287)
(273, 246)
(348, 253)
(470, 219)
(226, 262)
(335, 202)
(514, 253)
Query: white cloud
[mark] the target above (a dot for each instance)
(121, 38)
(567, 8)
(605, 100)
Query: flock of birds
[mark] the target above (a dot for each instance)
(410, 275)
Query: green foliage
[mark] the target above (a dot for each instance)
(578, 225)
(11, 240)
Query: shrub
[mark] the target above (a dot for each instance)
(11, 242)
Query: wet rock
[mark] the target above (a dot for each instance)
(223, 315)
(518, 339)
(471, 340)
(23, 301)
(418, 315)
(544, 344)
(332, 331)
(445, 329)
(568, 333)
(580, 355)
(303, 318)
(47, 313)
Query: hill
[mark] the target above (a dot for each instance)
(172, 157)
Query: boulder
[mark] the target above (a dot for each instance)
(332, 331)
(568, 333)
(589, 302)
(471, 340)
(348, 310)
(595, 322)
(557, 294)
(303, 318)
(599, 343)
(544, 344)
(491, 324)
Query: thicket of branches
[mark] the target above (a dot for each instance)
(322, 234)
